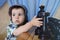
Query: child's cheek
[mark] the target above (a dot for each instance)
(21, 20)
(13, 20)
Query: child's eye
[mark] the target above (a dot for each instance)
(13, 14)
(20, 14)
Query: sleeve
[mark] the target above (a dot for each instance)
(10, 30)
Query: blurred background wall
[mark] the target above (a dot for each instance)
(4, 19)
(57, 13)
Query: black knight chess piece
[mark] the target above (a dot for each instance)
(42, 31)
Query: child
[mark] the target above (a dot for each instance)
(19, 24)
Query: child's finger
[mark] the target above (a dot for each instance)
(39, 19)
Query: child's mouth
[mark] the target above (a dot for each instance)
(17, 21)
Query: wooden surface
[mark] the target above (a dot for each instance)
(27, 36)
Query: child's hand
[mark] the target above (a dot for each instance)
(35, 21)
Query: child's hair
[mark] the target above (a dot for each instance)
(17, 7)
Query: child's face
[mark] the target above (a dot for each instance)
(18, 16)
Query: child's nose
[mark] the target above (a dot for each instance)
(17, 17)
